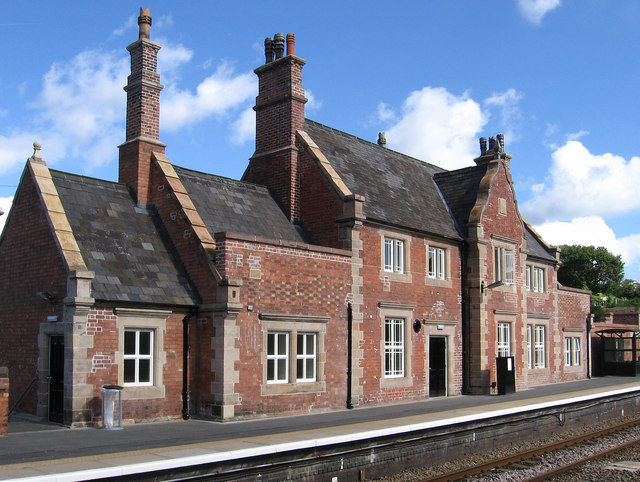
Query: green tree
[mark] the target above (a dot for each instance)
(592, 268)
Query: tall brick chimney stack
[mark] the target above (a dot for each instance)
(143, 113)
(279, 114)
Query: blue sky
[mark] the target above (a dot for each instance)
(558, 77)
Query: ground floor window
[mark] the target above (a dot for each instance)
(277, 357)
(394, 347)
(539, 347)
(138, 357)
(572, 351)
(306, 357)
(504, 339)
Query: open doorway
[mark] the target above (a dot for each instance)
(437, 366)
(56, 378)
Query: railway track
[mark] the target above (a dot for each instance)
(553, 459)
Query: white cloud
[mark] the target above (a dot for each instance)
(312, 102)
(384, 113)
(5, 206)
(535, 10)
(243, 129)
(594, 231)
(170, 58)
(510, 115)
(580, 184)
(215, 95)
(438, 127)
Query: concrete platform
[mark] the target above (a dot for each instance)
(35, 451)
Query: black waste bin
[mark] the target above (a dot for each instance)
(506, 375)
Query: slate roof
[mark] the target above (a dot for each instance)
(460, 190)
(132, 259)
(398, 189)
(535, 247)
(241, 207)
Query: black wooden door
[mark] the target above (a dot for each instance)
(437, 366)
(56, 378)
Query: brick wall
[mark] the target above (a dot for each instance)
(4, 400)
(166, 401)
(30, 263)
(434, 302)
(298, 282)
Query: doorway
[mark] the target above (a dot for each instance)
(56, 378)
(437, 366)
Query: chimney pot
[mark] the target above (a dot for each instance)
(382, 139)
(501, 142)
(278, 45)
(291, 44)
(483, 146)
(144, 22)
(268, 50)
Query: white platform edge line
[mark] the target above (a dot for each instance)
(136, 468)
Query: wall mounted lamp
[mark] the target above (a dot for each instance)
(46, 296)
(491, 286)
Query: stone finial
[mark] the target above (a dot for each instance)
(483, 146)
(36, 156)
(268, 50)
(291, 44)
(382, 139)
(501, 142)
(144, 22)
(278, 45)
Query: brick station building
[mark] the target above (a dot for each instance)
(337, 273)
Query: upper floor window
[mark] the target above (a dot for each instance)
(138, 357)
(394, 255)
(504, 265)
(535, 279)
(437, 263)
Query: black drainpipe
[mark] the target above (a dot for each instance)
(349, 357)
(185, 364)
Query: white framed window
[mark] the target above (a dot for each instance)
(504, 339)
(437, 263)
(504, 265)
(138, 357)
(567, 352)
(277, 357)
(577, 351)
(527, 278)
(394, 347)
(306, 357)
(529, 346)
(394, 255)
(572, 351)
(539, 347)
(538, 279)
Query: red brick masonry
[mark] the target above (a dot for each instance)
(4, 400)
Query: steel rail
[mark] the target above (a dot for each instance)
(530, 454)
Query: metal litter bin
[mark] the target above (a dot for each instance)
(111, 407)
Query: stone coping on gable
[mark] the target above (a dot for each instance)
(281, 243)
